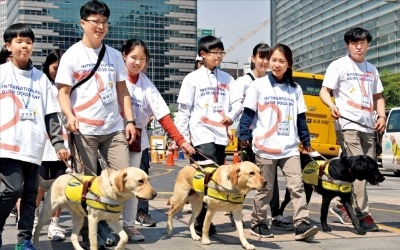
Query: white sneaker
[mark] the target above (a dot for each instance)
(133, 234)
(187, 208)
(55, 233)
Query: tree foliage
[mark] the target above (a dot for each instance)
(391, 92)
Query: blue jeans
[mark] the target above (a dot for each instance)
(20, 180)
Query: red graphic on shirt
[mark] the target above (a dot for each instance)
(257, 144)
(92, 101)
(12, 122)
(364, 94)
(221, 113)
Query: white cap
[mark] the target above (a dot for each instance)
(199, 58)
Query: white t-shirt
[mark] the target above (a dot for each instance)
(240, 87)
(198, 91)
(95, 116)
(146, 100)
(353, 86)
(49, 151)
(276, 109)
(20, 91)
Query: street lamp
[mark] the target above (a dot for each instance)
(237, 67)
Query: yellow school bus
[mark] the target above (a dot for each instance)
(320, 123)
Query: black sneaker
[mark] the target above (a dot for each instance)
(145, 220)
(261, 230)
(86, 243)
(280, 223)
(199, 228)
(304, 231)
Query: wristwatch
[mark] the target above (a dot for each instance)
(132, 121)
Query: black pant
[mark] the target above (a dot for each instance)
(215, 153)
(143, 205)
(20, 180)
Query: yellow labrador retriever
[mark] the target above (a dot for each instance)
(103, 199)
(224, 190)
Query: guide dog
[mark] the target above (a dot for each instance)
(335, 178)
(225, 191)
(103, 200)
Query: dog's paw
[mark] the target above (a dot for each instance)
(249, 246)
(326, 228)
(361, 231)
(205, 241)
(196, 237)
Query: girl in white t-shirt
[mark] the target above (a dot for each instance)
(146, 100)
(274, 106)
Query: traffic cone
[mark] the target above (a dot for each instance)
(170, 158)
(181, 156)
(236, 157)
(176, 156)
(154, 156)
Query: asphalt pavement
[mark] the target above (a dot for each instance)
(384, 203)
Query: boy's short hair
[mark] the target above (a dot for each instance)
(208, 43)
(94, 7)
(357, 34)
(18, 29)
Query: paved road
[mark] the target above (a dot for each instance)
(384, 203)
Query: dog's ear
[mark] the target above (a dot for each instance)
(120, 180)
(234, 173)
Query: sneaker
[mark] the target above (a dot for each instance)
(187, 208)
(261, 230)
(14, 212)
(341, 214)
(105, 232)
(369, 224)
(26, 245)
(133, 234)
(86, 243)
(37, 212)
(54, 232)
(305, 231)
(145, 220)
(279, 222)
(198, 227)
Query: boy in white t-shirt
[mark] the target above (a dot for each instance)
(94, 107)
(28, 109)
(205, 108)
(357, 89)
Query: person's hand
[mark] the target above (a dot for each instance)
(305, 150)
(245, 143)
(187, 148)
(63, 154)
(72, 124)
(226, 121)
(335, 112)
(230, 134)
(130, 133)
(380, 125)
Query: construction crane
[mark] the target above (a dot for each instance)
(242, 39)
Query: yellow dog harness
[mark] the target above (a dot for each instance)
(204, 183)
(316, 171)
(85, 190)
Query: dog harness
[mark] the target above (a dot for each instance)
(85, 190)
(318, 171)
(203, 183)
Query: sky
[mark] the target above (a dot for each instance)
(232, 20)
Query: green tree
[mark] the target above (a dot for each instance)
(391, 91)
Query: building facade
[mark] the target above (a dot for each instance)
(314, 30)
(168, 27)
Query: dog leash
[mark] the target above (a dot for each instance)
(365, 126)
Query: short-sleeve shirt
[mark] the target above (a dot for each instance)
(95, 117)
(353, 86)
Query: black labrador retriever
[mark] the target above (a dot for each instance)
(334, 179)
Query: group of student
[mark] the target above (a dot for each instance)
(106, 101)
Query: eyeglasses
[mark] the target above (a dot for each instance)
(97, 22)
(215, 53)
